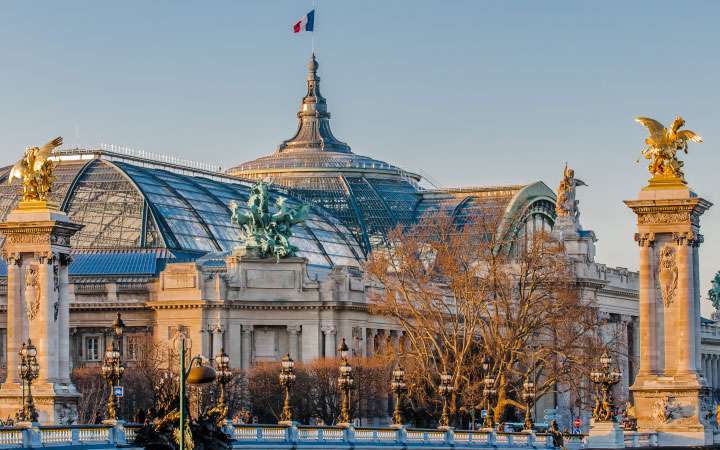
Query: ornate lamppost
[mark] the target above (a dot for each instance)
(345, 383)
(488, 391)
(287, 379)
(197, 375)
(445, 389)
(223, 376)
(529, 397)
(398, 387)
(112, 368)
(29, 371)
(605, 379)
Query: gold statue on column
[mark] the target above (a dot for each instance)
(35, 169)
(663, 145)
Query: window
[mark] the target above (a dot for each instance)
(92, 348)
(134, 347)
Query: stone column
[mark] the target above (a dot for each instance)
(246, 346)
(293, 344)
(63, 300)
(217, 337)
(14, 310)
(648, 326)
(370, 342)
(685, 355)
(330, 341)
(45, 333)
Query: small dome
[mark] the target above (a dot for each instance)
(369, 196)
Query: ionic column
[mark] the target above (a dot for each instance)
(648, 318)
(217, 338)
(395, 340)
(246, 346)
(369, 342)
(684, 354)
(715, 373)
(293, 344)
(330, 341)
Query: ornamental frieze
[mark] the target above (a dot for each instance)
(661, 218)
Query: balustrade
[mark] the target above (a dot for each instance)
(269, 436)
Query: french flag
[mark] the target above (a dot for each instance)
(307, 23)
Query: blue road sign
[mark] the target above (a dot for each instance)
(483, 413)
(119, 391)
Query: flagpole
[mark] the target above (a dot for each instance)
(315, 7)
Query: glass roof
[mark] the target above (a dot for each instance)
(124, 205)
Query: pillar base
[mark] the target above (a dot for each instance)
(605, 435)
(56, 403)
(678, 407)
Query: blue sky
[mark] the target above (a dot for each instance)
(468, 92)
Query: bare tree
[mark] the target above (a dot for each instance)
(484, 288)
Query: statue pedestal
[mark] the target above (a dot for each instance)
(37, 253)
(605, 435)
(671, 396)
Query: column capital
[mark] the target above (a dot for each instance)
(330, 329)
(12, 258)
(247, 329)
(645, 239)
(688, 238)
(46, 258)
(294, 329)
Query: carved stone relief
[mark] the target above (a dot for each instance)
(32, 292)
(667, 274)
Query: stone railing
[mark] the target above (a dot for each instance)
(40, 436)
(273, 436)
(637, 439)
(279, 437)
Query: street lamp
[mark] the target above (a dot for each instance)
(224, 375)
(287, 379)
(345, 383)
(112, 367)
(29, 371)
(488, 391)
(398, 387)
(605, 379)
(197, 375)
(529, 397)
(445, 389)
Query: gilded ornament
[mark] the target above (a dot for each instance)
(668, 274)
(663, 145)
(35, 169)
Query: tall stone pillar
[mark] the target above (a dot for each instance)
(293, 344)
(330, 341)
(649, 344)
(246, 346)
(37, 249)
(670, 394)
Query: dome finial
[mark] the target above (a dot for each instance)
(313, 65)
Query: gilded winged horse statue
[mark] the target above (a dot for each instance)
(663, 145)
(35, 169)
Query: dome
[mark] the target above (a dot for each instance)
(129, 203)
(369, 196)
